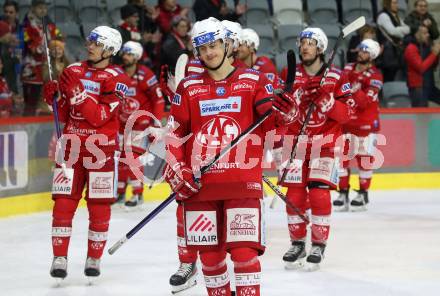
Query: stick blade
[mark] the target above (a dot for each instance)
(353, 26)
(179, 73)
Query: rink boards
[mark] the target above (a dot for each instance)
(30, 203)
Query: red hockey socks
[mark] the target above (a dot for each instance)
(320, 201)
(216, 273)
(247, 271)
(365, 179)
(99, 218)
(185, 255)
(297, 227)
(344, 179)
(63, 212)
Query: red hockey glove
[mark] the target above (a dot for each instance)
(72, 88)
(181, 180)
(319, 95)
(284, 106)
(50, 91)
(164, 85)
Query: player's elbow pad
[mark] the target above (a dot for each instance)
(340, 112)
(96, 114)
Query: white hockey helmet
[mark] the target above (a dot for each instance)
(315, 34)
(207, 31)
(250, 38)
(134, 48)
(370, 46)
(110, 38)
(233, 32)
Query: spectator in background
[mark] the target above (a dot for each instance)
(34, 54)
(421, 16)
(6, 95)
(218, 9)
(421, 58)
(147, 26)
(129, 28)
(176, 43)
(390, 35)
(168, 9)
(58, 62)
(366, 32)
(10, 51)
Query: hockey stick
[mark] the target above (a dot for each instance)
(54, 102)
(350, 28)
(203, 169)
(290, 79)
(179, 74)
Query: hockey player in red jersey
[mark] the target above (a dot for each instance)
(247, 53)
(313, 171)
(366, 82)
(88, 103)
(222, 209)
(143, 94)
(185, 276)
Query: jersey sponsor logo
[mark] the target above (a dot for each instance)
(102, 76)
(242, 224)
(101, 185)
(152, 81)
(213, 107)
(218, 132)
(198, 90)
(62, 181)
(176, 99)
(131, 92)
(253, 186)
(242, 86)
(92, 87)
(196, 69)
(190, 82)
(376, 83)
(249, 76)
(270, 76)
(121, 87)
(294, 173)
(220, 91)
(324, 169)
(269, 89)
(201, 228)
(345, 87)
(88, 74)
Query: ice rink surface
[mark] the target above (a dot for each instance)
(392, 249)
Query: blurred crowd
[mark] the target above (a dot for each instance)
(409, 50)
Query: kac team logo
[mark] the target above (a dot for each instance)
(220, 91)
(218, 132)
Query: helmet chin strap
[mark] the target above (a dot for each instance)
(225, 54)
(101, 59)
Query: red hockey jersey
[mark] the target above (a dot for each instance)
(366, 86)
(213, 113)
(143, 94)
(329, 124)
(98, 114)
(265, 65)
